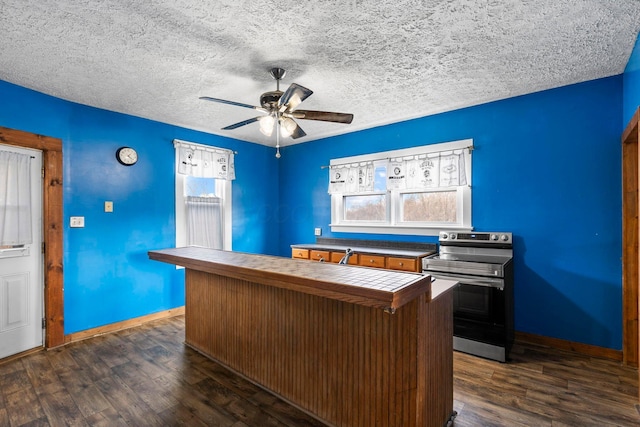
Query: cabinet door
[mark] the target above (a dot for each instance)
(337, 256)
(404, 264)
(300, 253)
(320, 256)
(372, 261)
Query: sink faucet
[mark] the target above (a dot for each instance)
(347, 255)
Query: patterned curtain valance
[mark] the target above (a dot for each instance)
(204, 161)
(419, 171)
(351, 178)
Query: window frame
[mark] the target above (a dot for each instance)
(223, 190)
(371, 193)
(394, 223)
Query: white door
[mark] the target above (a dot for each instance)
(21, 276)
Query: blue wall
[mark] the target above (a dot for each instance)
(631, 96)
(107, 274)
(546, 166)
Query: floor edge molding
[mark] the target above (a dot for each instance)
(125, 324)
(576, 347)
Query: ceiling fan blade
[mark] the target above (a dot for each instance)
(293, 96)
(238, 104)
(298, 132)
(324, 116)
(242, 123)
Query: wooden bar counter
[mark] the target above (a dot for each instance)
(352, 346)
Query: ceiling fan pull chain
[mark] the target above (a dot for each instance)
(278, 136)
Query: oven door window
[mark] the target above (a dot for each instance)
(479, 303)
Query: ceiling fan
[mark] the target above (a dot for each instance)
(279, 109)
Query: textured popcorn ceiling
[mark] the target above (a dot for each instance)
(382, 60)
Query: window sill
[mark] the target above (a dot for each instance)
(395, 229)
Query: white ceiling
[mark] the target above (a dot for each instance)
(384, 61)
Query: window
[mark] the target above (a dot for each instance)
(435, 206)
(203, 203)
(419, 190)
(203, 212)
(371, 207)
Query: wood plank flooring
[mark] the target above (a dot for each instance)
(145, 376)
(544, 387)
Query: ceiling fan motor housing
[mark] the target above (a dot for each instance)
(269, 100)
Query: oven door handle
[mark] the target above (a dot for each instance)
(487, 282)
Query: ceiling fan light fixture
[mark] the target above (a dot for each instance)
(287, 126)
(266, 125)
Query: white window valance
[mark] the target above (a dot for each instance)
(417, 171)
(446, 169)
(204, 161)
(351, 178)
(15, 199)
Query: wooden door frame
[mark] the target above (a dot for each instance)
(52, 226)
(630, 231)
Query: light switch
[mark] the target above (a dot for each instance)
(108, 206)
(76, 221)
(317, 231)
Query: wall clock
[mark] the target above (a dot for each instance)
(127, 156)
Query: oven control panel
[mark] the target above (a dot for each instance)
(486, 237)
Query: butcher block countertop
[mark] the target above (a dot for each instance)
(371, 287)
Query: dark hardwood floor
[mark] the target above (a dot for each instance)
(146, 377)
(544, 387)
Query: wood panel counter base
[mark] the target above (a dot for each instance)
(346, 364)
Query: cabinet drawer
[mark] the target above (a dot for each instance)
(371, 260)
(320, 255)
(300, 253)
(337, 256)
(405, 264)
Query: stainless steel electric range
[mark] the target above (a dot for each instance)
(482, 263)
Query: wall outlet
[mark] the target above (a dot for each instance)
(76, 221)
(317, 231)
(108, 206)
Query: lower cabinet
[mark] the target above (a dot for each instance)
(337, 256)
(404, 264)
(300, 253)
(372, 261)
(365, 260)
(324, 256)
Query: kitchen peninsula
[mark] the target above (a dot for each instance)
(352, 346)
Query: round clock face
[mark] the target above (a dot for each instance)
(127, 156)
